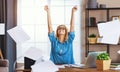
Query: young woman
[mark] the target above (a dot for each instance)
(62, 43)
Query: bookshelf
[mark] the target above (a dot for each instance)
(107, 14)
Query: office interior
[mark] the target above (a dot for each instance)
(30, 15)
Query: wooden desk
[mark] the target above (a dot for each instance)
(84, 70)
(21, 69)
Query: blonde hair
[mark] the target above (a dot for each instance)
(66, 31)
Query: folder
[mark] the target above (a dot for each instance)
(28, 62)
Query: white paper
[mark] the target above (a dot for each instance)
(60, 66)
(18, 34)
(2, 28)
(36, 54)
(78, 66)
(46, 66)
(119, 52)
(110, 31)
(117, 68)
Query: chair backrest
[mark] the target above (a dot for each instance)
(4, 63)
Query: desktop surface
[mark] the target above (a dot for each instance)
(84, 70)
(69, 69)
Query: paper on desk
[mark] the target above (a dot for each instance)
(109, 31)
(36, 54)
(46, 66)
(60, 66)
(18, 34)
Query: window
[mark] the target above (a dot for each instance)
(33, 19)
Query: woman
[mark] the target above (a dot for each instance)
(62, 43)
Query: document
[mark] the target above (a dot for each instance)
(110, 31)
(36, 54)
(46, 66)
(18, 34)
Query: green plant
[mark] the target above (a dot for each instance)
(103, 56)
(92, 36)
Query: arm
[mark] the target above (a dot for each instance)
(50, 29)
(72, 19)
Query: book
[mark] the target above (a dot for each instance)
(115, 66)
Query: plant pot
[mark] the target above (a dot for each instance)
(103, 64)
(92, 40)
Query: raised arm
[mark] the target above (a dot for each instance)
(74, 9)
(50, 29)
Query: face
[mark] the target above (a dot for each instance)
(61, 31)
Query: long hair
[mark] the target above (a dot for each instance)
(66, 31)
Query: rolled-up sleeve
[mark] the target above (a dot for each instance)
(71, 36)
(51, 36)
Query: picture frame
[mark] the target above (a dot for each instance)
(115, 18)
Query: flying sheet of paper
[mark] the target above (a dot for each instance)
(46, 66)
(2, 28)
(36, 54)
(110, 32)
(18, 34)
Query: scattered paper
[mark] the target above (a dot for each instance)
(36, 54)
(18, 34)
(46, 66)
(109, 31)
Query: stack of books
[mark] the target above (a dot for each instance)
(115, 66)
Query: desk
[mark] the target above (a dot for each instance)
(67, 69)
(21, 69)
(84, 70)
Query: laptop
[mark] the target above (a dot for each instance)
(90, 61)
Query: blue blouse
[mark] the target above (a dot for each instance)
(62, 53)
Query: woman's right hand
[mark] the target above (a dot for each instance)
(74, 9)
(46, 8)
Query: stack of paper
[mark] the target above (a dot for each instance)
(109, 31)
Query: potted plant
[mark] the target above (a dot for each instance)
(103, 61)
(92, 38)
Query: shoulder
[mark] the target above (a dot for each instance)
(52, 36)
